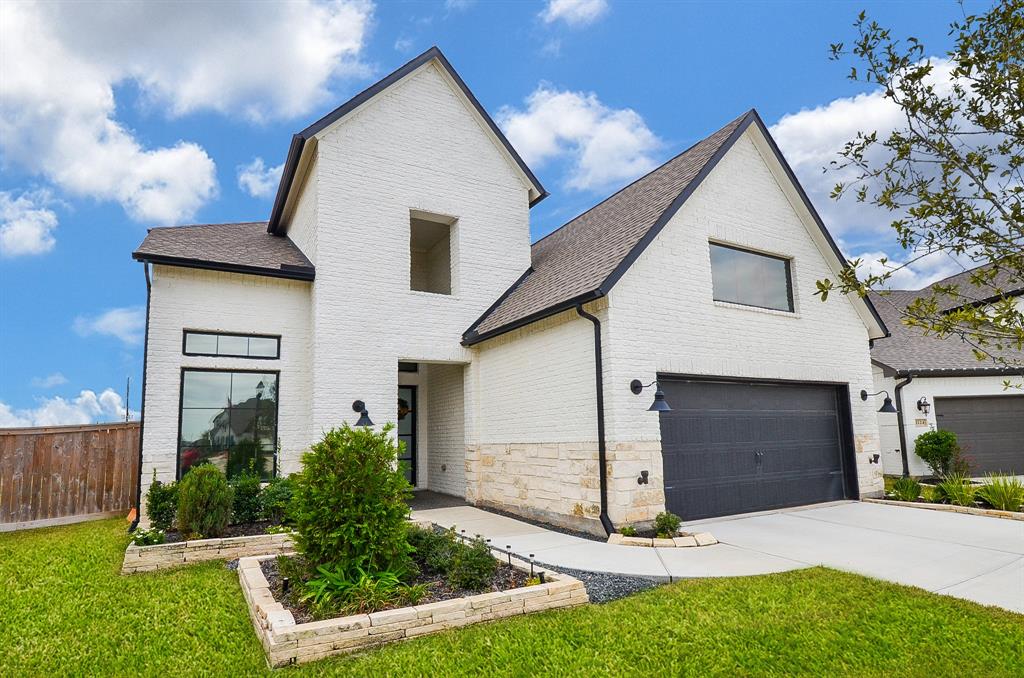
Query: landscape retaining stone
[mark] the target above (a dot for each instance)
(162, 556)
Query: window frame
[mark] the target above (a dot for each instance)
(788, 261)
(181, 411)
(185, 351)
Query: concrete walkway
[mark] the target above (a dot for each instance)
(971, 557)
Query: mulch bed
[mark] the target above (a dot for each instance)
(240, 530)
(438, 589)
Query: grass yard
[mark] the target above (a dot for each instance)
(64, 609)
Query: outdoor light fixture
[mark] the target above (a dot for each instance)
(659, 404)
(364, 416)
(886, 404)
(923, 405)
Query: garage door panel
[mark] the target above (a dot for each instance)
(990, 430)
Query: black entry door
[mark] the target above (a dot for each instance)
(407, 431)
(990, 429)
(730, 447)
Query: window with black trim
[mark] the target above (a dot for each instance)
(260, 346)
(228, 419)
(740, 276)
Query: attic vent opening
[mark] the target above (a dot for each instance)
(431, 253)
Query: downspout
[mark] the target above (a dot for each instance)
(900, 424)
(602, 457)
(142, 410)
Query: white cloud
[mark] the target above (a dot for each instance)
(86, 408)
(404, 45)
(55, 379)
(126, 324)
(26, 227)
(458, 5)
(574, 12)
(60, 64)
(257, 179)
(605, 145)
(919, 274)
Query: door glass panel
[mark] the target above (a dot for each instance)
(407, 431)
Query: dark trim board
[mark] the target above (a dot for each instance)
(286, 271)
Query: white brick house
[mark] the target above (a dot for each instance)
(396, 269)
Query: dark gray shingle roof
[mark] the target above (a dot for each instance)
(577, 259)
(1004, 282)
(240, 247)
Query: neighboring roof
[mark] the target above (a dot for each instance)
(299, 140)
(1003, 283)
(583, 259)
(238, 248)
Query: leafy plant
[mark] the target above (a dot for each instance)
(332, 591)
(472, 566)
(906, 489)
(144, 537)
(161, 503)
(350, 504)
(247, 506)
(938, 449)
(627, 531)
(279, 529)
(533, 581)
(1002, 492)
(931, 494)
(956, 488)
(276, 499)
(433, 549)
(204, 502)
(666, 524)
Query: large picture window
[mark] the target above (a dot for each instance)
(228, 419)
(743, 277)
(264, 346)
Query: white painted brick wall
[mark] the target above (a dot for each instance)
(663, 318)
(184, 298)
(302, 222)
(446, 461)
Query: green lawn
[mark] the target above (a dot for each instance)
(64, 609)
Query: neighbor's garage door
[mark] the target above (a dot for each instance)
(739, 447)
(990, 430)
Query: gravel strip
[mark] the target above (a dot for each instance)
(603, 587)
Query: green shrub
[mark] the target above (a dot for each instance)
(432, 549)
(161, 503)
(956, 489)
(938, 449)
(930, 493)
(666, 524)
(246, 505)
(906, 489)
(276, 498)
(350, 505)
(1002, 492)
(332, 592)
(472, 566)
(143, 537)
(627, 531)
(204, 502)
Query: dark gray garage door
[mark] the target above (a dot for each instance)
(739, 447)
(990, 430)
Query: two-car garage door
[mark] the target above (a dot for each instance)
(735, 447)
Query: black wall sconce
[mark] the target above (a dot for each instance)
(873, 459)
(659, 404)
(923, 405)
(644, 479)
(364, 416)
(886, 404)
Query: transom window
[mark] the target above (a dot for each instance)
(740, 276)
(263, 346)
(228, 419)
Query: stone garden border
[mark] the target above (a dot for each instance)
(698, 539)
(286, 642)
(162, 556)
(970, 510)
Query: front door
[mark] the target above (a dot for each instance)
(407, 431)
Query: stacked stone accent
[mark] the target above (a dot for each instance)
(286, 642)
(162, 556)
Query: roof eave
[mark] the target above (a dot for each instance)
(305, 273)
(471, 338)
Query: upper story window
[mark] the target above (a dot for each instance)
(430, 253)
(743, 277)
(262, 346)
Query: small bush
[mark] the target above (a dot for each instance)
(1002, 492)
(276, 499)
(204, 502)
(627, 531)
(246, 506)
(472, 566)
(938, 449)
(350, 504)
(432, 549)
(931, 494)
(957, 489)
(906, 489)
(143, 537)
(666, 524)
(161, 503)
(332, 592)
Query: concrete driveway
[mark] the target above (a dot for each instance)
(971, 557)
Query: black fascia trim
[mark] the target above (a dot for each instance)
(299, 140)
(214, 333)
(291, 272)
(561, 307)
(924, 373)
(729, 379)
(470, 334)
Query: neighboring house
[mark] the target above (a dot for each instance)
(939, 383)
(396, 270)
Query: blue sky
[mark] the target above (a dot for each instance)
(116, 119)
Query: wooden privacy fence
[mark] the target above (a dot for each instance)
(60, 474)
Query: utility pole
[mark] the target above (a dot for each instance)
(127, 395)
